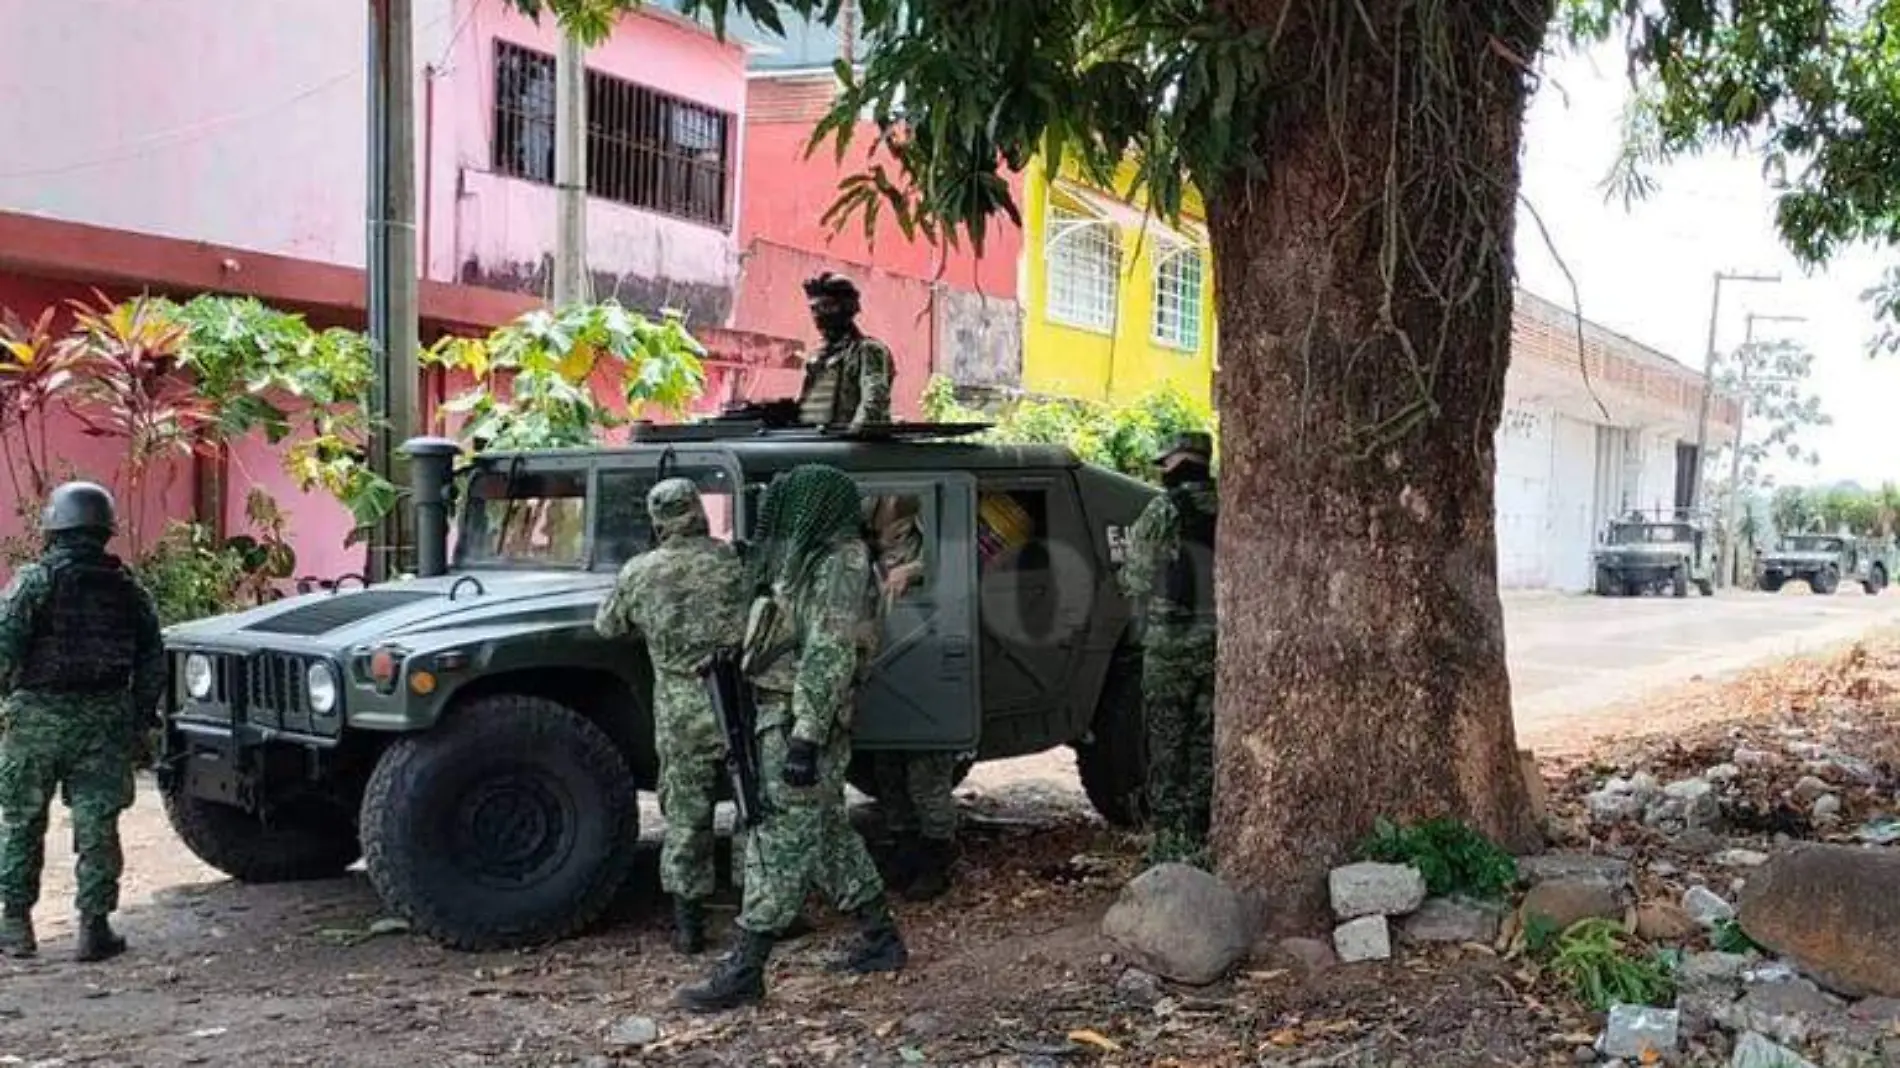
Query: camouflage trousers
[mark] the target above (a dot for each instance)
(692, 764)
(915, 792)
(1177, 683)
(805, 841)
(75, 747)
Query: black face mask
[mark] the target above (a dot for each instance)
(1185, 473)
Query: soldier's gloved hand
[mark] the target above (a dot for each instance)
(801, 764)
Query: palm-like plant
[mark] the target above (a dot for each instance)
(36, 373)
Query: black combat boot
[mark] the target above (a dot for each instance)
(931, 878)
(97, 940)
(738, 979)
(906, 855)
(16, 932)
(689, 926)
(880, 948)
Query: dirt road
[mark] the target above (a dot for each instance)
(288, 975)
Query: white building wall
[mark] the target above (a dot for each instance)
(1522, 492)
(1572, 529)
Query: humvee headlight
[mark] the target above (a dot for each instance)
(198, 676)
(320, 683)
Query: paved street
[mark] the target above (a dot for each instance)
(1572, 656)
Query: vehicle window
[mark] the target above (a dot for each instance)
(1012, 530)
(623, 530)
(899, 542)
(534, 518)
(1650, 533)
(1814, 544)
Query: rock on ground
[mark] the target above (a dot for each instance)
(1314, 954)
(1659, 921)
(1833, 910)
(1754, 1051)
(1710, 969)
(1180, 923)
(1565, 901)
(1372, 889)
(1443, 919)
(1788, 1012)
(1547, 867)
(1366, 938)
(1138, 987)
(1635, 1031)
(1706, 906)
(634, 1031)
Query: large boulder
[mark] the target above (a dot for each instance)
(1833, 911)
(1180, 923)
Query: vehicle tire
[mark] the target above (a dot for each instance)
(296, 846)
(1679, 582)
(1771, 583)
(1705, 587)
(1606, 585)
(1876, 581)
(1113, 763)
(1825, 581)
(513, 823)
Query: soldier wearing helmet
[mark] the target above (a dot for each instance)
(1169, 574)
(82, 669)
(685, 598)
(848, 381)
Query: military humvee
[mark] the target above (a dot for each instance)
(1822, 560)
(1644, 551)
(468, 736)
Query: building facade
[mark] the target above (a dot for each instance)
(242, 169)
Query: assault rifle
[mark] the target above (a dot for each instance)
(738, 717)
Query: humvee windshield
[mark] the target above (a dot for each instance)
(521, 516)
(1649, 533)
(1811, 543)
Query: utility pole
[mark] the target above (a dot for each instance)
(1708, 376)
(570, 172)
(391, 266)
(1731, 527)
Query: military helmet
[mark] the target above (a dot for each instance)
(79, 506)
(674, 506)
(831, 284)
(1196, 443)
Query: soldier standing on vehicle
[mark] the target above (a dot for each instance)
(686, 597)
(914, 788)
(1169, 575)
(82, 669)
(849, 380)
(804, 651)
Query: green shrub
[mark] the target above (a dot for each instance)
(1121, 437)
(1603, 965)
(189, 575)
(1728, 937)
(1453, 858)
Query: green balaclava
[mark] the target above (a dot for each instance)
(676, 510)
(805, 511)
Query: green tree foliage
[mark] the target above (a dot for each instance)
(1123, 437)
(1864, 512)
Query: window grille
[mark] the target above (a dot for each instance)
(1084, 259)
(1177, 303)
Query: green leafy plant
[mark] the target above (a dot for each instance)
(189, 575)
(1453, 858)
(1122, 437)
(1728, 937)
(36, 375)
(537, 378)
(1604, 965)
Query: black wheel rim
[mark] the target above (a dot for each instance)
(512, 828)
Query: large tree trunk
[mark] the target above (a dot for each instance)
(1365, 318)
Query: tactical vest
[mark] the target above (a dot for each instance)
(819, 406)
(86, 636)
(1188, 583)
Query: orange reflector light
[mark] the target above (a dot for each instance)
(422, 683)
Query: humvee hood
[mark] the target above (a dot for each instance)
(394, 610)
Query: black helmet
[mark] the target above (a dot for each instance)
(831, 284)
(79, 506)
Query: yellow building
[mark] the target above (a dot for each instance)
(1116, 302)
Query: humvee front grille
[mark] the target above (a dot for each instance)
(277, 697)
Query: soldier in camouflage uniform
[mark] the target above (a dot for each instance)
(848, 382)
(804, 651)
(686, 598)
(82, 669)
(1169, 575)
(914, 789)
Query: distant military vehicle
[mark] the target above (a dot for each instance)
(1823, 560)
(468, 735)
(1644, 551)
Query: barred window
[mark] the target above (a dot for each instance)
(1177, 303)
(645, 148)
(1084, 258)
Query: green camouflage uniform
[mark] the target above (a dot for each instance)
(825, 613)
(685, 598)
(1177, 682)
(84, 745)
(847, 382)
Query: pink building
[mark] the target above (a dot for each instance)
(224, 150)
